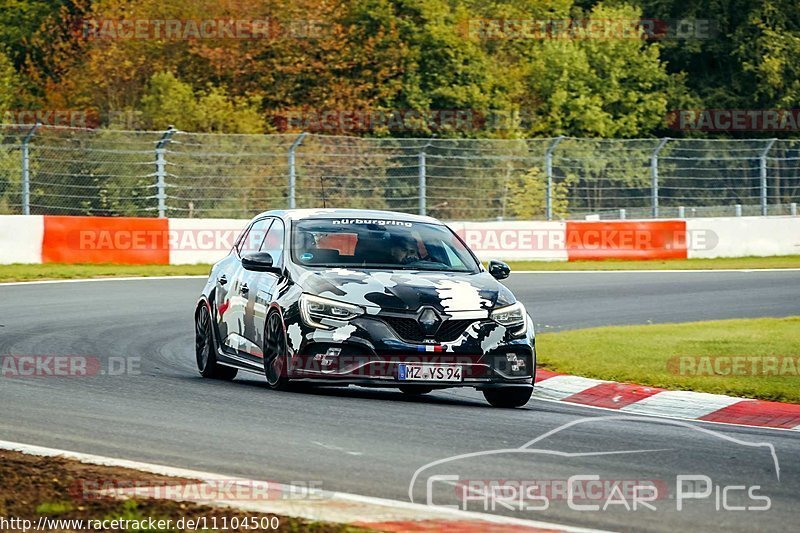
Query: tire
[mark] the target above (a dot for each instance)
(275, 353)
(206, 348)
(508, 397)
(415, 390)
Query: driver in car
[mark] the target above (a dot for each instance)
(404, 250)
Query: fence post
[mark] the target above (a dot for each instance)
(161, 170)
(26, 170)
(548, 166)
(422, 178)
(763, 161)
(293, 170)
(654, 174)
(422, 184)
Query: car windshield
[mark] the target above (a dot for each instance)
(379, 244)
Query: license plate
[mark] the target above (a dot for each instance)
(428, 373)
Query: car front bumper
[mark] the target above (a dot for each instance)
(369, 351)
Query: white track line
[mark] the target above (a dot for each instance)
(351, 507)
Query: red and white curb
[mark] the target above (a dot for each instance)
(339, 507)
(654, 401)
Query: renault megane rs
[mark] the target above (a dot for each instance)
(369, 298)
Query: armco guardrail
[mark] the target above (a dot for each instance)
(65, 239)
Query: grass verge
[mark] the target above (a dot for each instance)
(681, 356)
(63, 489)
(51, 271)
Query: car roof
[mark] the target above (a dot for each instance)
(300, 214)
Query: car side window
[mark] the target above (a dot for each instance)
(240, 240)
(252, 240)
(273, 242)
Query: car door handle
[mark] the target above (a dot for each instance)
(222, 280)
(244, 289)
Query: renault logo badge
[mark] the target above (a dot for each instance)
(429, 321)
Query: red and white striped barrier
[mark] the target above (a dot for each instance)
(67, 239)
(654, 401)
(21, 239)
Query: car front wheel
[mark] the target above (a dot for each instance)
(508, 396)
(275, 353)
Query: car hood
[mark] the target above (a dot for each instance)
(395, 290)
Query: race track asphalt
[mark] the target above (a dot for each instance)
(371, 442)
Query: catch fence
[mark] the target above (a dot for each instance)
(72, 171)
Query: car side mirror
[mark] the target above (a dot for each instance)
(499, 269)
(259, 262)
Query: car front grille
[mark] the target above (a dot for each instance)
(406, 328)
(410, 330)
(452, 329)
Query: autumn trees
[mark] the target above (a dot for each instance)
(404, 68)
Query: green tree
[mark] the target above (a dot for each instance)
(593, 87)
(170, 101)
(527, 196)
(769, 50)
(9, 83)
(9, 158)
(735, 53)
(22, 21)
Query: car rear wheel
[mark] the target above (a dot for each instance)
(415, 390)
(275, 353)
(508, 396)
(206, 348)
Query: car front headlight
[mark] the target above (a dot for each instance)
(511, 316)
(317, 311)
